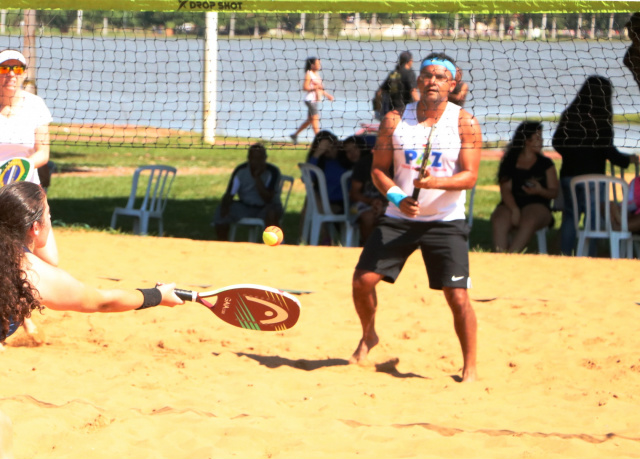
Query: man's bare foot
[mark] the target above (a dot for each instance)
(364, 346)
(469, 375)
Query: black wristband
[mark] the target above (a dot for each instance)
(152, 297)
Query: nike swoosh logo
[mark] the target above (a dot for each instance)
(456, 278)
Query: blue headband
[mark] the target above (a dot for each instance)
(437, 61)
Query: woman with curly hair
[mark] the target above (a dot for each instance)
(28, 283)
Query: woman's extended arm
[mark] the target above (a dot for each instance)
(59, 290)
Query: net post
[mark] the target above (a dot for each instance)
(209, 117)
(29, 50)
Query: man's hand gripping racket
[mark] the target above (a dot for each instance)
(422, 172)
(253, 307)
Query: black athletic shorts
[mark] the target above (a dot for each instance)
(444, 247)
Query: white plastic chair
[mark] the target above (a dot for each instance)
(352, 238)
(597, 225)
(158, 184)
(257, 225)
(319, 212)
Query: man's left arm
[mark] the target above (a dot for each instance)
(469, 159)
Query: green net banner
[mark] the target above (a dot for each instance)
(363, 6)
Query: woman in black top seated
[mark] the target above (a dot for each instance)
(528, 182)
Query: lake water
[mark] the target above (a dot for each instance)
(158, 82)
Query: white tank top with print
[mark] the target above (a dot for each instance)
(409, 140)
(315, 82)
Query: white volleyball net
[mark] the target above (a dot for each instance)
(136, 78)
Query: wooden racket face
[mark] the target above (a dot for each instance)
(14, 170)
(256, 309)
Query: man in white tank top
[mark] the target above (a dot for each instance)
(435, 221)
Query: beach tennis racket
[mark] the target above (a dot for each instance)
(425, 162)
(14, 170)
(253, 307)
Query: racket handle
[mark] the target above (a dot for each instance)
(186, 295)
(416, 193)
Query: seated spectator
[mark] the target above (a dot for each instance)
(632, 209)
(528, 182)
(367, 203)
(255, 183)
(327, 153)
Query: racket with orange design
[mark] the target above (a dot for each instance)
(249, 306)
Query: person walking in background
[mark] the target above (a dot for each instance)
(398, 89)
(256, 184)
(584, 139)
(435, 222)
(528, 182)
(314, 94)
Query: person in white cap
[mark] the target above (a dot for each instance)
(24, 117)
(24, 132)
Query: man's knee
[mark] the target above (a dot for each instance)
(364, 281)
(458, 299)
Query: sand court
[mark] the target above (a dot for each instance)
(558, 361)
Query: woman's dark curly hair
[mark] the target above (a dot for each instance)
(21, 205)
(508, 162)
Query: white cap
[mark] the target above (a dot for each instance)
(10, 54)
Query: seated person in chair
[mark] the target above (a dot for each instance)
(255, 183)
(367, 203)
(632, 209)
(528, 182)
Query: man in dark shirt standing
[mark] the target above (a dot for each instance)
(399, 89)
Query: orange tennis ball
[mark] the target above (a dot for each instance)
(272, 236)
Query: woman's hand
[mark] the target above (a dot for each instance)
(515, 217)
(169, 297)
(532, 187)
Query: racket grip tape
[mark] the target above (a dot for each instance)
(186, 295)
(416, 193)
